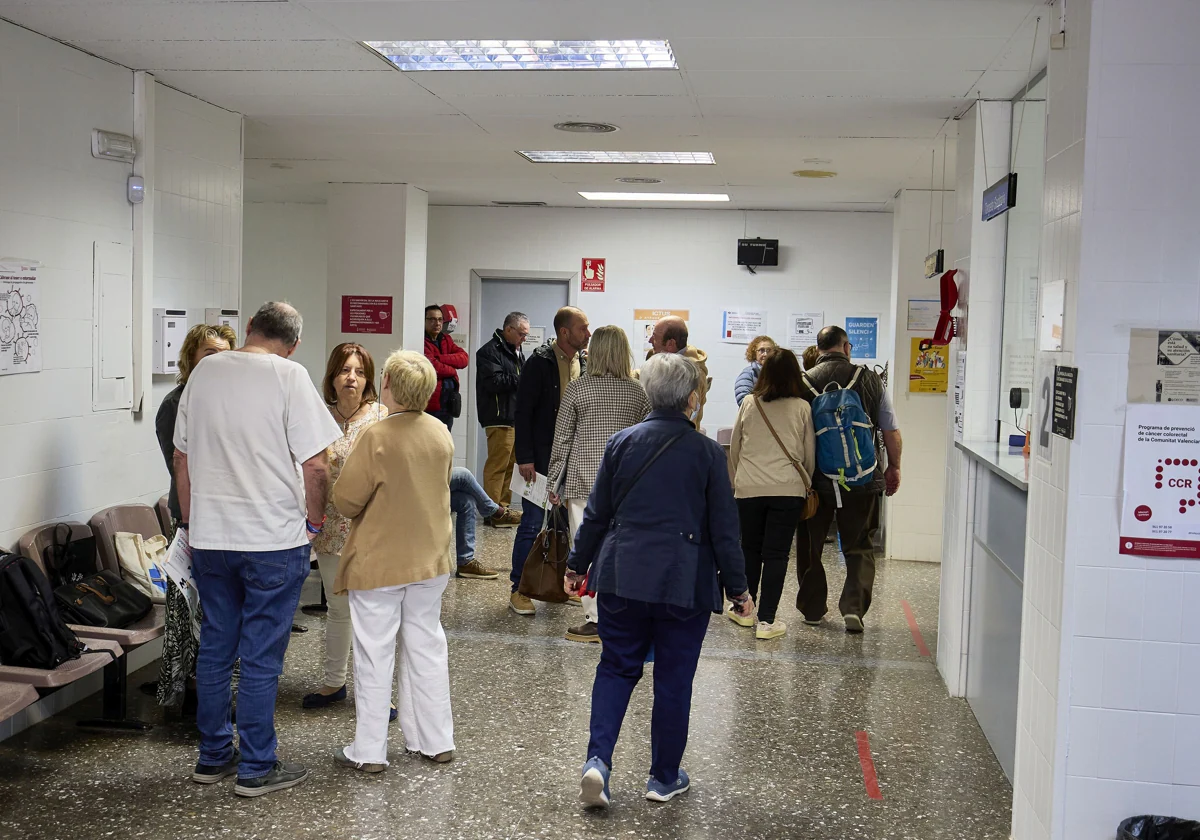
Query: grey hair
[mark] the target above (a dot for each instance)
(277, 321)
(514, 319)
(669, 380)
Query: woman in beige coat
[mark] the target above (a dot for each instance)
(772, 456)
(395, 489)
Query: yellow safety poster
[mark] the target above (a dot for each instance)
(929, 369)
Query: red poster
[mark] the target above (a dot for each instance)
(592, 275)
(364, 314)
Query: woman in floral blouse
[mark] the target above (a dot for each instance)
(349, 389)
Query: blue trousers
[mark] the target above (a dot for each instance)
(629, 630)
(527, 531)
(466, 497)
(248, 599)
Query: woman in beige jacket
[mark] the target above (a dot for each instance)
(395, 489)
(772, 456)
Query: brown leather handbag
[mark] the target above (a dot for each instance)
(810, 498)
(546, 565)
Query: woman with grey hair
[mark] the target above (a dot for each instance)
(659, 543)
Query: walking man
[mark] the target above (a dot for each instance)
(497, 374)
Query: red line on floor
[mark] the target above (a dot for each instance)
(918, 639)
(870, 780)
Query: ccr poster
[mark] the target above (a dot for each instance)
(1160, 508)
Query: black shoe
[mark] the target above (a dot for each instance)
(210, 774)
(299, 628)
(150, 689)
(315, 609)
(392, 715)
(317, 700)
(190, 700)
(282, 776)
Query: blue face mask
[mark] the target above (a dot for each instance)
(695, 411)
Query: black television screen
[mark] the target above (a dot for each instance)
(758, 252)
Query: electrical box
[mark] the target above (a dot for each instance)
(170, 328)
(224, 317)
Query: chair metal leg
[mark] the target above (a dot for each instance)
(115, 700)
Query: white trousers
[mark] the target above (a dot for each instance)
(413, 614)
(575, 508)
(337, 624)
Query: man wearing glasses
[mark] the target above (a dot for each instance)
(447, 359)
(497, 374)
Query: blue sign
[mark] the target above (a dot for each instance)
(864, 335)
(1000, 197)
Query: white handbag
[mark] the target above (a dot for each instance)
(142, 563)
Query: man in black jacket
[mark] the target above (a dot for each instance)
(543, 379)
(497, 373)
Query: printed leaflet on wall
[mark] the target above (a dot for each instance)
(740, 326)
(20, 338)
(1164, 366)
(1160, 506)
(645, 319)
(929, 369)
(803, 328)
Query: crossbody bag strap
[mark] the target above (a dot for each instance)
(646, 466)
(796, 464)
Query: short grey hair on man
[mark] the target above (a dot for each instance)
(514, 319)
(277, 321)
(669, 380)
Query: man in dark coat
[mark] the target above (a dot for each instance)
(497, 374)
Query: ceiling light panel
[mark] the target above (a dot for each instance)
(653, 196)
(527, 55)
(696, 158)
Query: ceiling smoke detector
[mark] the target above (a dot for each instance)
(586, 127)
(639, 180)
(519, 203)
(814, 173)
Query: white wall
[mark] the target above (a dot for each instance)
(284, 258)
(60, 459)
(839, 263)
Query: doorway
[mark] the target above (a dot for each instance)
(539, 298)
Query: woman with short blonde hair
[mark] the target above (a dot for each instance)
(395, 489)
(760, 348)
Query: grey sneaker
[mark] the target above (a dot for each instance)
(282, 776)
(341, 758)
(210, 774)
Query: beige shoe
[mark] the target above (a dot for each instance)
(574, 599)
(741, 621)
(507, 518)
(521, 605)
(771, 630)
(441, 758)
(476, 571)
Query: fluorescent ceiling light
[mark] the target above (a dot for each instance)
(653, 196)
(527, 55)
(704, 158)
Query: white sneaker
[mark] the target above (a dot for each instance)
(854, 623)
(770, 630)
(742, 621)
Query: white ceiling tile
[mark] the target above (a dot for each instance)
(909, 85)
(378, 124)
(644, 132)
(334, 105)
(594, 108)
(557, 82)
(235, 55)
(215, 83)
(834, 54)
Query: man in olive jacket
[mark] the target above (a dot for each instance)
(497, 374)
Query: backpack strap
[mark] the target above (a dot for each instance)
(854, 379)
(808, 384)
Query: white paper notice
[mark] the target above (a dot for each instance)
(803, 328)
(740, 326)
(1050, 333)
(960, 393)
(534, 491)
(1164, 366)
(535, 339)
(923, 314)
(20, 338)
(1160, 505)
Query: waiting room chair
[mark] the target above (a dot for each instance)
(163, 509)
(14, 697)
(132, 519)
(725, 435)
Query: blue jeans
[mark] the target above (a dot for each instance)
(527, 531)
(629, 631)
(248, 599)
(466, 496)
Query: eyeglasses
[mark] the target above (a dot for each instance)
(431, 319)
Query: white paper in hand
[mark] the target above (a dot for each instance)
(533, 491)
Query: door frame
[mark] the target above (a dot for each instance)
(478, 275)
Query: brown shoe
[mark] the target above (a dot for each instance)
(507, 518)
(475, 571)
(574, 599)
(521, 605)
(586, 632)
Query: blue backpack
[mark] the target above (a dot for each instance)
(845, 435)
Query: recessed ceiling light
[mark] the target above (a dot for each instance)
(639, 180)
(653, 196)
(586, 127)
(527, 55)
(814, 173)
(519, 203)
(703, 158)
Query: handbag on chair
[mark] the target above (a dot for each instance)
(102, 599)
(546, 565)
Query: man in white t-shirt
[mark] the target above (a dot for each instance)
(245, 422)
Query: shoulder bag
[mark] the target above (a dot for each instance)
(810, 498)
(69, 560)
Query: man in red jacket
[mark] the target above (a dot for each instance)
(447, 359)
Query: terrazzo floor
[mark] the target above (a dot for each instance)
(772, 752)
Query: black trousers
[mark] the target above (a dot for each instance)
(445, 416)
(768, 523)
(857, 523)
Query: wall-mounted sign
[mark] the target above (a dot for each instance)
(1160, 505)
(591, 275)
(741, 326)
(1164, 366)
(960, 394)
(929, 368)
(366, 314)
(863, 331)
(935, 263)
(20, 329)
(923, 314)
(803, 328)
(1066, 382)
(1000, 197)
(645, 319)
(535, 339)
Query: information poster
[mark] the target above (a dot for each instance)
(645, 319)
(960, 394)
(591, 275)
(366, 314)
(1164, 366)
(1160, 506)
(20, 336)
(929, 369)
(864, 335)
(923, 314)
(803, 328)
(535, 339)
(740, 326)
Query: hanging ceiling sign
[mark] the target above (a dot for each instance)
(935, 263)
(1000, 197)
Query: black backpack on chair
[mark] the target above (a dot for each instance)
(32, 632)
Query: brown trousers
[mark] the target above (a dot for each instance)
(857, 523)
(497, 470)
